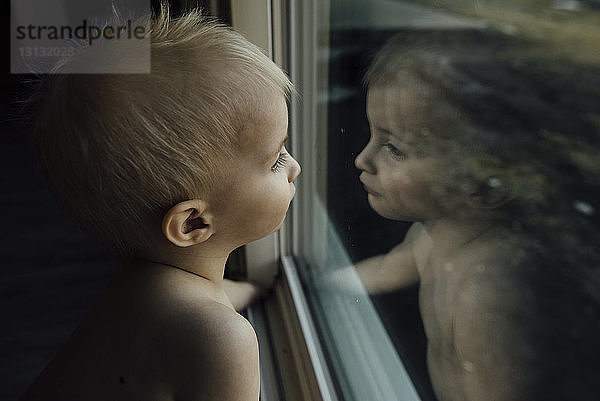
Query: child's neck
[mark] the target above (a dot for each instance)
(460, 232)
(209, 266)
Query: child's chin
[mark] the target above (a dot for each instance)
(392, 215)
(280, 223)
(380, 209)
(275, 228)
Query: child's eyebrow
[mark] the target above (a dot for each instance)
(384, 131)
(284, 140)
(271, 154)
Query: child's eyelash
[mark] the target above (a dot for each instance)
(281, 160)
(395, 151)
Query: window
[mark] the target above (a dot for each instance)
(504, 94)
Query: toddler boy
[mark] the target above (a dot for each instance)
(177, 168)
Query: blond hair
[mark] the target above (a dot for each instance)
(120, 149)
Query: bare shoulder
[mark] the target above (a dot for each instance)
(411, 250)
(222, 326)
(214, 353)
(155, 333)
(204, 349)
(414, 233)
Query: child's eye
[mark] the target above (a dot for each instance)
(395, 151)
(280, 163)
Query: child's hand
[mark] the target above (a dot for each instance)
(242, 293)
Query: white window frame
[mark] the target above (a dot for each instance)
(283, 323)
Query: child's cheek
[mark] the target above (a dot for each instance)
(397, 182)
(273, 202)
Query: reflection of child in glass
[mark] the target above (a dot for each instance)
(462, 145)
(179, 167)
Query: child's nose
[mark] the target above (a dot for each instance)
(294, 170)
(363, 161)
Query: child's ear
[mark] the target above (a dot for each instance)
(490, 195)
(188, 223)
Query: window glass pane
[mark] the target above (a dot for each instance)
(447, 216)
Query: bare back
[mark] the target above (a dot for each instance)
(470, 305)
(155, 333)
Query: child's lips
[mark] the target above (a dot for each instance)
(370, 190)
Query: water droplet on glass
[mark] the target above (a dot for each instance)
(508, 29)
(584, 207)
(494, 182)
